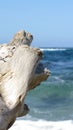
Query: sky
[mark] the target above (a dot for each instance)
(50, 21)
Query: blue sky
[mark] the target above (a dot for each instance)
(50, 21)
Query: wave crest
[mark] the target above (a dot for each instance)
(42, 125)
(53, 49)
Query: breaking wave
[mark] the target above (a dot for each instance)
(42, 125)
(53, 49)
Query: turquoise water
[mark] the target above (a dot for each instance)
(53, 99)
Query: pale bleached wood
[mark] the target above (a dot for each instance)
(20, 38)
(41, 75)
(19, 72)
(14, 82)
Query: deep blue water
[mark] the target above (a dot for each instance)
(53, 99)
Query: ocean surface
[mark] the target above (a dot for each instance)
(51, 103)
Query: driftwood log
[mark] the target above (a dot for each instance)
(19, 72)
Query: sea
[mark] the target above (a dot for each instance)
(51, 103)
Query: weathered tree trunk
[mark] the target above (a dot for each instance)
(18, 74)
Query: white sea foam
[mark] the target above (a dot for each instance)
(42, 125)
(52, 49)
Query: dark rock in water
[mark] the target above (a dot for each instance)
(20, 71)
